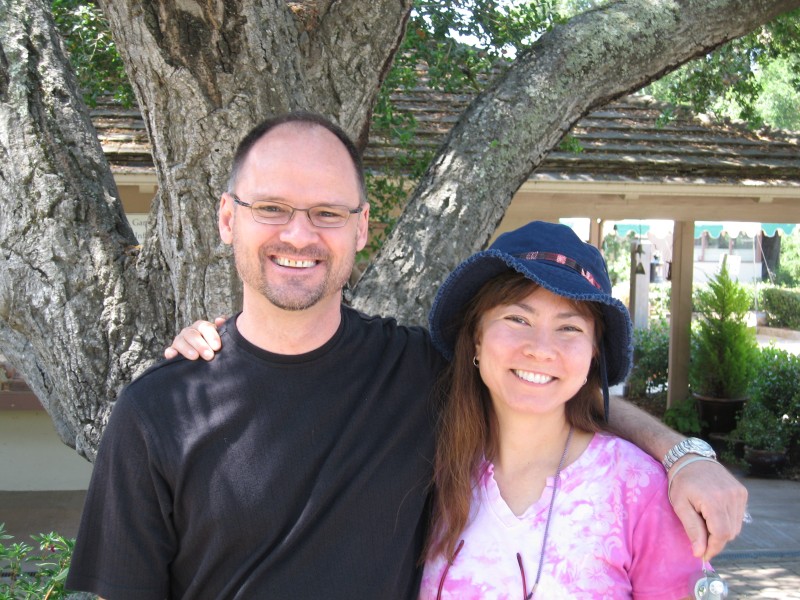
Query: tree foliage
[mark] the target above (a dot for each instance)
(753, 78)
(92, 52)
(788, 271)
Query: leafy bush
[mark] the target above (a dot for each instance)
(776, 383)
(659, 299)
(52, 560)
(771, 418)
(683, 417)
(724, 348)
(761, 429)
(617, 253)
(650, 361)
(788, 272)
(782, 306)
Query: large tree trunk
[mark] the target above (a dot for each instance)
(204, 74)
(83, 309)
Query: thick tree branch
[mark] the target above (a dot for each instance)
(508, 130)
(66, 286)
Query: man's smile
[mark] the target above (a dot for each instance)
(295, 263)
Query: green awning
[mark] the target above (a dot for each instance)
(623, 229)
(771, 229)
(713, 228)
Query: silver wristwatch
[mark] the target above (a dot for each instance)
(688, 446)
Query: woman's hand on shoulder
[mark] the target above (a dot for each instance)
(200, 339)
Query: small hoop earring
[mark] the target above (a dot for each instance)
(475, 361)
(585, 380)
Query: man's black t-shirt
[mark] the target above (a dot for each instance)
(259, 475)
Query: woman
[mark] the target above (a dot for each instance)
(531, 498)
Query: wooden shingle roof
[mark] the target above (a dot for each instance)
(628, 140)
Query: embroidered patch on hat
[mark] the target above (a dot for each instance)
(561, 260)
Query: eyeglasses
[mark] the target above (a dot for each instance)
(278, 213)
(526, 595)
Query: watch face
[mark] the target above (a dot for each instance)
(698, 445)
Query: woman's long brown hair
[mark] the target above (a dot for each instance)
(467, 431)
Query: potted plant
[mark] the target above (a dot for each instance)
(724, 351)
(765, 436)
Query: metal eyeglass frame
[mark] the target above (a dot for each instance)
(291, 210)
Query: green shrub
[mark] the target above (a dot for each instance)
(683, 417)
(788, 272)
(782, 306)
(659, 298)
(617, 253)
(776, 382)
(51, 561)
(723, 347)
(754, 292)
(761, 429)
(650, 361)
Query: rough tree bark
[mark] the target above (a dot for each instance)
(205, 73)
(83, 309)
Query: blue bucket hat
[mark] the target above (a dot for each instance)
(554, 257)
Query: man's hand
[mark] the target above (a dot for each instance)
(710, 503)
(199, 339)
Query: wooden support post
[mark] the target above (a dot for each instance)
(680, 311)
(596, 232)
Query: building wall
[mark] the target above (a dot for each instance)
(33, 456)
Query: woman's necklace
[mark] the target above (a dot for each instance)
(556, 478)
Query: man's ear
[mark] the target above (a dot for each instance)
(226, 216)
(363, 227)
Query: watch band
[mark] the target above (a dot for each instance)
(688, 446)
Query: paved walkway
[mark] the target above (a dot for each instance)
(778, 578)
(764, 561)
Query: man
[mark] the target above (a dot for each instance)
(296, 464)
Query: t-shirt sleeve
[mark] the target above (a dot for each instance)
(126, 539)
(662, 565)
